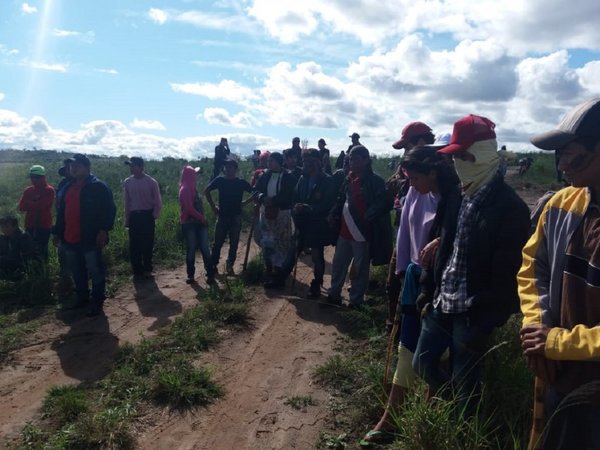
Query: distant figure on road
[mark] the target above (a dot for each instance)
(355, 138)
(296, 149)
(85, 216)
(339, 162)
(142, 207)
(36, 202)
(324, 155)
(221, 153)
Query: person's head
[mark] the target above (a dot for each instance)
(136, 166)
(291, 161)
(275, 162)
(65, 170)
(223, 141)
(189, 175)
(257, 152)
(359, 159)
(311, 162)
(355, 138)
(263, 159)
(576, 141)
(413, 134)
(80, 166)
(37, 175)
(296, 142)
(231, 167)
(8, 225)
(321, 144)
(428, 170)
(474, 149)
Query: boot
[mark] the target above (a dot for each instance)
(314, 291)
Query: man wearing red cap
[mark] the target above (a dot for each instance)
(475, 266)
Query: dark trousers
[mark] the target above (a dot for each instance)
(141, 241)
(227, 227)
(317, 254)
(84, 264)
(40, 241)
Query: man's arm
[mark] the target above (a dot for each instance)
(207, 193)
(157, 200)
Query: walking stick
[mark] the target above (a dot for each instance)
(390, 345)
(294, 273)
(248, 244)
(538, 415)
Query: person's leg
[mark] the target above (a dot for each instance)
(135, 243)
(202, 237)
(76, 264)
(235, 229)
(220, 233)
(359, 278)
(317, 254)
(188, 231)
(339, 266)
(148, 242)
(95, 266)
(435, 338)
(43, 237)
(469, 344)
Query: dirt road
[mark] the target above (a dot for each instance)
(259, 368)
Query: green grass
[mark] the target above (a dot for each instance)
(300, 401)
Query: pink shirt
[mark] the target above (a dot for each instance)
(141, 194)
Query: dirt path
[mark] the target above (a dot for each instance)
(259, 368)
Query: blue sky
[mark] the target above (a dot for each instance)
(172, 77)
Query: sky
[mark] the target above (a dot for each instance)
(171, 77)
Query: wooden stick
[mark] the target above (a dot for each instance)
(248, 244)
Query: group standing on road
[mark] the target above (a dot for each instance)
(460, 267)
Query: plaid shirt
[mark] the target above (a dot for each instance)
(452, 298)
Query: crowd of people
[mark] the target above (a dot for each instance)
(463, 262)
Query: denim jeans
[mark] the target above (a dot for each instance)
(467, 343)
(349, 251)
(195, 236)
(87, 263)
(228, 226)
(40, 241)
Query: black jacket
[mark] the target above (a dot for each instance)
(283, 199)
(493, 252)
(313, 226)
(97, 211)
(376, 226)
(16, 252)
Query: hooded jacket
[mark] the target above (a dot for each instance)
(36, 202)
(97, 211)
(190, 203)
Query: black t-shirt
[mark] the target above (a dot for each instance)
(231, 192)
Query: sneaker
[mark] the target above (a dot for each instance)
(210, 280)
(275, 283)
(148, 274)
(94, 312)
(313, 295)
(229, 269)
(333, 301)
(189, 280)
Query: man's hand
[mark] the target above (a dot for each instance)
(102, 239)
(533, 339)
(428, 253)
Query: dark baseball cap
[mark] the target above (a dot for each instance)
(135, 161)
(80, 158)
(583, 121)
(354, 135)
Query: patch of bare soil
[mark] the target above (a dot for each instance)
(259, 368)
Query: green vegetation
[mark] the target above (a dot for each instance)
(159, 370)
(300, 401)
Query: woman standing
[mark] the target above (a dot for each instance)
(193, 225)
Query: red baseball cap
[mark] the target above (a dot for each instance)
(467, 131)
(410, 131)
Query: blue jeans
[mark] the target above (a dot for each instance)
(467, 343)
(87, 263)
(40, 241)
(228, 226)
(349, 251)
(195, 236)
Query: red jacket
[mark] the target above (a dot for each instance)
(36, 202)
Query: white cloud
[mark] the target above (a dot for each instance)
(28, 9)
(220, 116)
(225, 90)
(158, 15)
(52, 67)
(108, 71)
(88, 37)
(2, 95)
(147, 124)
(5, 51)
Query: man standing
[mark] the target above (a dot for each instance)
(86, 214)
(355, 137)
(313, 199)
(296, 149)
(229, 212)
(324, 155)
(36, 202)
(559, 286)
(365, 234)
(475, 267)
(142, 207)
(221, 153)
(291, 164)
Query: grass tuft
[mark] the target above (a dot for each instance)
(64, 404)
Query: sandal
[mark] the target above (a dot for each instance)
(376, 437)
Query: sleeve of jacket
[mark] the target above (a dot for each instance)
(322, 207)
(380, 201)
(283, 199)
(110, 211)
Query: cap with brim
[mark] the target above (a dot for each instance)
(80, 158)
(354, 135)
(410, 131)
(37, 171)
(135, 161)
(443, 140)
(467, 131)
(231, 161)
(581, 121)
